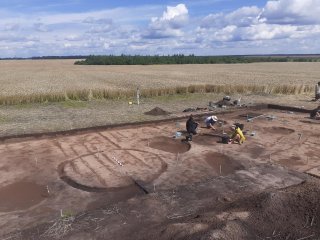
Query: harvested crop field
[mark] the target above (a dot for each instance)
(139, 182)
(25, 77)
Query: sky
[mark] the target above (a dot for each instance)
(201, 27)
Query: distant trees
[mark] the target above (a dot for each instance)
(190, 59)
(176, 59)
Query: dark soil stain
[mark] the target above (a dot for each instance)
(292, 161)
(21, 195)
(223, 164)
(279, 130)
(169, 145)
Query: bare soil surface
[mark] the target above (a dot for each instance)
(142, 182)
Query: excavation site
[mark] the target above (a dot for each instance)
(147, 180)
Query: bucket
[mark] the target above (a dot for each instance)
(225, 139)
(178, 134)
(189, 138)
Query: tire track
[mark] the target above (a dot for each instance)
(108, 139)
(58, 144)
(138, 159)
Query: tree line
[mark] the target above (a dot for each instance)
(190, 59)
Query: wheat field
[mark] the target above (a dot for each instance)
(58, 80)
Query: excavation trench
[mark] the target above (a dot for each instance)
(112, 171)
(170, 145)
(222, 164)
(206, 139)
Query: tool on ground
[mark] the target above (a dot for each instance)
(225, 139)
(251, 119)
(178, 134)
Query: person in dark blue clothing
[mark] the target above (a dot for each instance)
(191, 126)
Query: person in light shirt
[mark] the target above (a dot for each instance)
(210, 121)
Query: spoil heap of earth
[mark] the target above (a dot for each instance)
(157, 112)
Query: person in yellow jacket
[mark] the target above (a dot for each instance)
(237, 136)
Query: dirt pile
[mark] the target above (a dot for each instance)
(207, 210)
(157, 112)
(224, 103)
(291, 213)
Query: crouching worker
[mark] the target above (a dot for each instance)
(315, 113)
(210, 121)
(191, 126)
(237, 136)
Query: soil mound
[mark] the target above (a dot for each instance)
(224, 103)
(157, 112)
(291, 213)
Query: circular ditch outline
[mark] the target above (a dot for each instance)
(279, 130)
(68, 180)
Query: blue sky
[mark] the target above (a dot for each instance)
(202, 27)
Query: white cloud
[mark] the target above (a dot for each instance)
(170, 24)
(11, 27)
(99, 25)
(298, 12)
(267, 32)
(241, 17)
(283, 19)
(176, 17)
(40, 27)
(280, 26)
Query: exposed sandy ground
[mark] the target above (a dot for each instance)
(46, 76)
(92, 185)
(206, 190)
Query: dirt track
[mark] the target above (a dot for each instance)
(86, 171)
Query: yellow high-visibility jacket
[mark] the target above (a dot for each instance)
(238, 131)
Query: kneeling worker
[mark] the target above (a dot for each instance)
(191, 127)
(210, 121)
(315, 113)
(237, 136)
